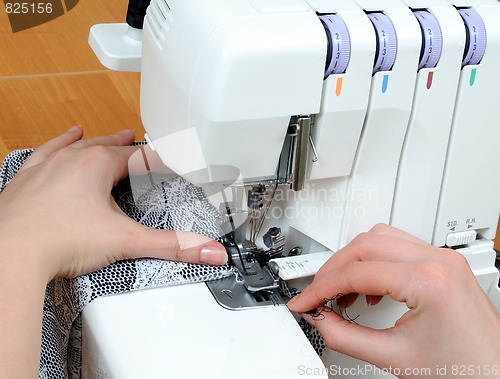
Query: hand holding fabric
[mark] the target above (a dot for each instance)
(59, 208)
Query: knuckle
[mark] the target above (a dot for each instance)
(98, 151)
(352, 266)
(352, 271)
(331, 340)
(456, 260)
(97, 154)
(179, 253)
(63, 153)
(176, 245)
(380, 228)
(364, 240)
(434, 276)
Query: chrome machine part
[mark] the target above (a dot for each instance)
(233, 295)
(259, 204)
(274, 239)
(254, 273)
(234, 215)
(302, 132)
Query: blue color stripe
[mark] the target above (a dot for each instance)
(385, 83)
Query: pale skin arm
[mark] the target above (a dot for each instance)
(58, 219)
(450, 322)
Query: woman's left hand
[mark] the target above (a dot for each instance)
(59, 213)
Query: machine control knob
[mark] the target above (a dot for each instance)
(432, 39)
(339, 44)
(387, 43)
(475, 42)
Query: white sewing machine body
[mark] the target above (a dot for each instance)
(235, 93)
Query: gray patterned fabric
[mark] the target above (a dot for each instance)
(312, 334)
(173, 204)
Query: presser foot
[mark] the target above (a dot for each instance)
(233, 295)
(252, 267)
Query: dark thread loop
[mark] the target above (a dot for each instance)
(317, 314)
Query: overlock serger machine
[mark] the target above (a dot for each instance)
(307, 122)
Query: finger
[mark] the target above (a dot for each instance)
(145, 242)
(390, 231)
(108, 165)
(48, 148)
(368, 278)
(377, 247)
(123, 155)
(356, 340)
(122, 138)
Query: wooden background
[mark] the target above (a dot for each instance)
(50, 80)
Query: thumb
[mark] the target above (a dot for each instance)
(356, 340)
(145, 242)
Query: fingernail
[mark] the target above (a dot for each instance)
(126, 132)
(213, 255)
(74, 128)
(292, 300)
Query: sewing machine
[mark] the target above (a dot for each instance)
(307, 122)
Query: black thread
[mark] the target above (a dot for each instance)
(341, 299)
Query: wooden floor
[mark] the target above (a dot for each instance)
(50, 80)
